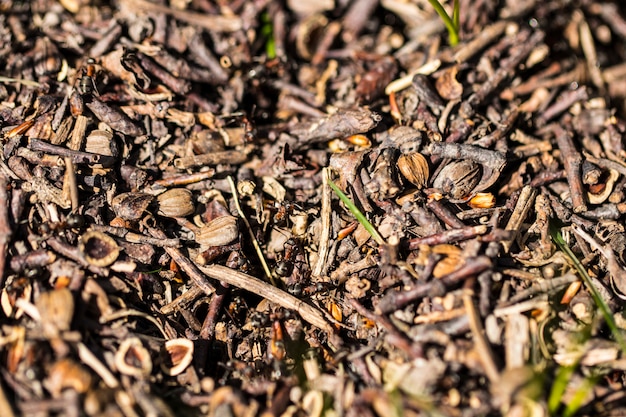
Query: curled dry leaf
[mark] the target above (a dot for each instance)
(132, 359)
(218, 232)
(414, 168)
(177, 202)
(98, 249)
(180, 355)
(448, 86)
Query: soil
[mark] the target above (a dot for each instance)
(312, 208)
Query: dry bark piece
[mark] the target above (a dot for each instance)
(98, 249)
(179, 356)
(177, 202)
(100, 142)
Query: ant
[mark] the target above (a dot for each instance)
(72, 221)
(292, 267)
(86, 84)
(281, 209)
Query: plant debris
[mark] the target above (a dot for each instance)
(312, 208)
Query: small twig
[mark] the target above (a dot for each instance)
(89, 359)
(485, 354)
(449, 236)
(394, 336)
(572, 160)
(595, 294)
(215, 23)
(130, 312)
(322, 252)
(5, 227)
(69, 183)
(524, 203)
(254, 285)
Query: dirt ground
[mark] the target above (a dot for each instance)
(338, 208)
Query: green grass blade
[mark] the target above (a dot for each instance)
(455, 15)
(267, 30)
(453, 31)
(557, 238)
(357, 213)
(580, 395)
(561, 380)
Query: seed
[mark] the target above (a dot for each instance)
(176, 202)
(414, 168)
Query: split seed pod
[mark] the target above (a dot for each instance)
(177, 202)
(180, 355)
(458, 179)
(133, 359)
(218, 232)
(98, 249)
(414, 168)
(131, 206)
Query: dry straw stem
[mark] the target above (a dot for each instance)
(254, 285)
(325, 216)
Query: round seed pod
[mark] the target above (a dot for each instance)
(179, 356)
(132, 358)
(458, 179)
(177, 202)
(218, 232)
